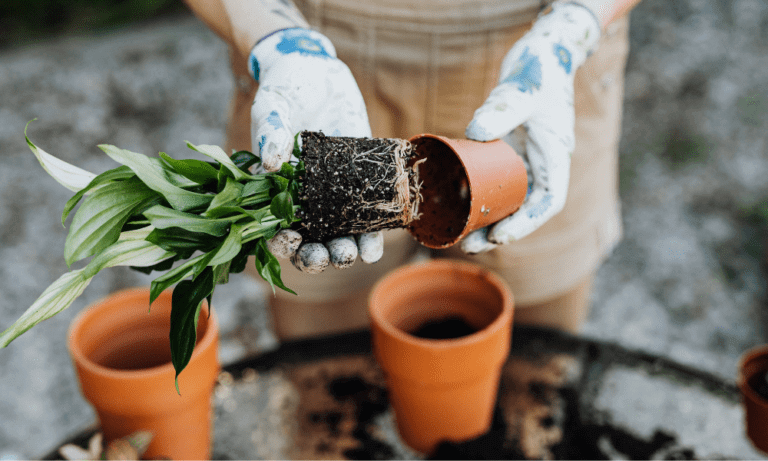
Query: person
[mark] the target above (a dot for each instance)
(546, 76)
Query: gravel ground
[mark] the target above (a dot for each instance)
(686, 283)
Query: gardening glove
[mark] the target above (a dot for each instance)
(303, 86)
(535, 91)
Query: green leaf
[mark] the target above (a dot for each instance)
(162, 266)
(267, 229)
(229, 248)
(99, 220)
(221, 274)
(116, 174)
(177, 274)
(244, 159)
(163, 218)
(218, 154)
(182, 241)
(296, 148)
(282, 206)
(239, 262)
(300, 169)
(136, 234)
(186, 303)
(279, 182)
(224, 174)
(261, 214)
(69, 176)
(229, 196)
(257, 200)
(269, 267)
(286, 170)
(195, 170)
(294, 190)
(154, 176)
(173, 177)
(258, 185)
(129, 250)
(57, 297)
(127, 253)
(227, 212)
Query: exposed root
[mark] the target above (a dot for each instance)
(415, 190)
(406, 203)
(367, 189)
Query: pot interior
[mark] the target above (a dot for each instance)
(753, 375)
(445, 194)
(448, 306)
(131, 337)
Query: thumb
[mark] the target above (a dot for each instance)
(271, 131)
(505, 109)
(549, 154)
(477, 242)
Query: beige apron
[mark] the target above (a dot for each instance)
(425, 66)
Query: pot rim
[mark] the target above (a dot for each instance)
(504, 317)
(208, 339)
(752, 354)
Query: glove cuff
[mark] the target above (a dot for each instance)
(271, 48)
(574, 27)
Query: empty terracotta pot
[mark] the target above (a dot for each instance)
(466, 185)
(441, 389)
(753, 367)
(121, 352)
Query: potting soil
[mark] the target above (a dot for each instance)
(445, 328)
(355, 185)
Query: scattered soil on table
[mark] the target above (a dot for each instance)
(356, 185)
(584, 440)
(340, 398)
(446, 328)
(491, 445)
(531, 404)
(538, 416)
(370, 401)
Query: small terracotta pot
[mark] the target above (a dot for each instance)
(122, 356)
(441, 389)
(466, 185)
(752, 365)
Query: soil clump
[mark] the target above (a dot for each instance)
(356, 185)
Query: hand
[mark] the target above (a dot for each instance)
(535, 90)
(303, 86)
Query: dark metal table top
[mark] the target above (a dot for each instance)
(326, 398)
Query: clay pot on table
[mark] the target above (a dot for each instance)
(441, 389)
(121, 353)
(752, 382)
(465, 185)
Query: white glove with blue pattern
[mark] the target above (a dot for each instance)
(535, 90)
(303, 86)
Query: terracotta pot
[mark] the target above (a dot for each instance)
(441, 389)
(753, 366)
(122, 356)
(466, 185)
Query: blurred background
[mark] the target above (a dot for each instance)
(687, 283)
(24, 21)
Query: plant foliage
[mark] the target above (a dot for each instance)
(194, 221)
